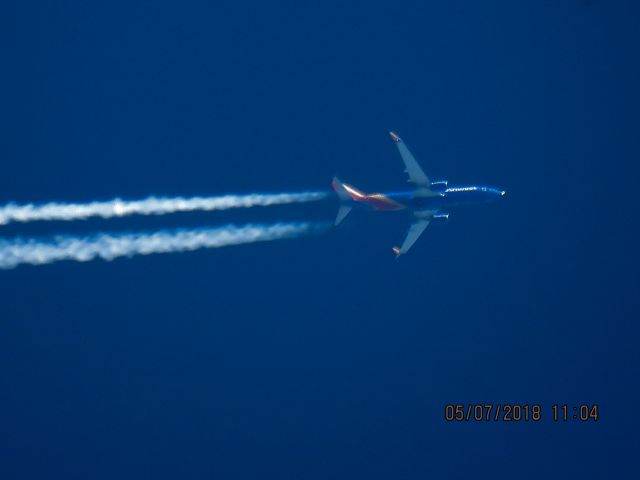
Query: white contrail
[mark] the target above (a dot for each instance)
(149, 206)
(113, 245)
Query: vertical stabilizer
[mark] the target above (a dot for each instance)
(338, 187)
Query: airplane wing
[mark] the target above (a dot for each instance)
(416, 175)
(414, 233)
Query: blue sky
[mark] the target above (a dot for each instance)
(323, 357)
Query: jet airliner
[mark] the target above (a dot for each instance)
(428, 201)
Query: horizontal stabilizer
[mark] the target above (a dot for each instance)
(343, 211)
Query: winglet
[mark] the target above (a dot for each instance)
(394, 137)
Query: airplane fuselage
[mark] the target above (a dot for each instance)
(415, 200)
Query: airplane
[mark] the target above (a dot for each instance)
(428, 201)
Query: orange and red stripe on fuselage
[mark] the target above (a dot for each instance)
(377, 201)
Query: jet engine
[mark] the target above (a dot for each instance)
(439, 185)
(440, 217)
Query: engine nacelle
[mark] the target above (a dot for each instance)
(440, 217)
(439, 185)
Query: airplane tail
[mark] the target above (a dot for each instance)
(344, 196)
(340, 189)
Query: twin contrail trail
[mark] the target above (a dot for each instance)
(113, 245)
(149, 206)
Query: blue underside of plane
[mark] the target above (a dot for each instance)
(428, 201)
(451, 197)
